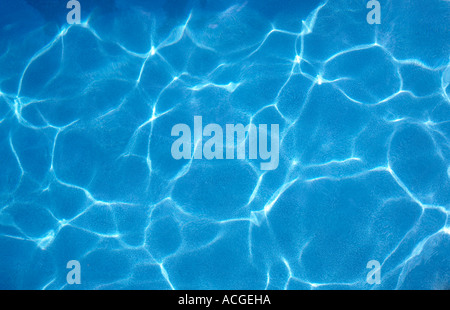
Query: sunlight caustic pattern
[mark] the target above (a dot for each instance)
(364, 174)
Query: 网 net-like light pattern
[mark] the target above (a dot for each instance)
(86, 112)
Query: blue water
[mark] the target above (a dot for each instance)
(86, 174)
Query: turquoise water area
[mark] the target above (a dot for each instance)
(86, 172)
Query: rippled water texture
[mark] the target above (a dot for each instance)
(86, 172)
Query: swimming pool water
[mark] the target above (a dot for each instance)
(86, 113)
